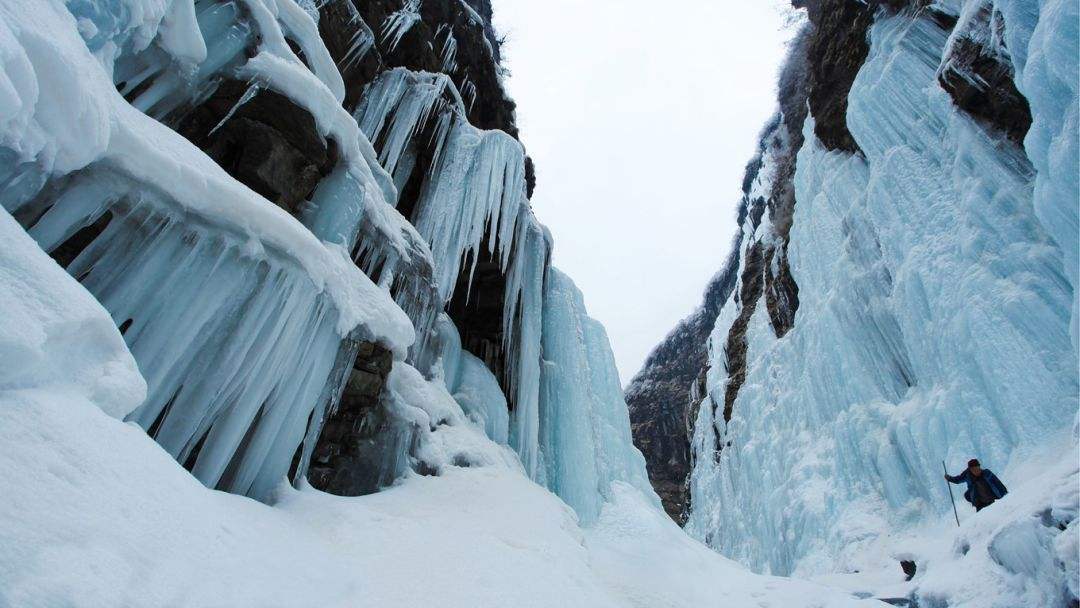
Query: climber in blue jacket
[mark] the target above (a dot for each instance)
(983, 487)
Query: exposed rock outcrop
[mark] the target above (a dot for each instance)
(658, 396)
(265, 141)
(978, 73)
(347, 456)
(836, 51)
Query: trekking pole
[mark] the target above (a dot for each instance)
(951, 499)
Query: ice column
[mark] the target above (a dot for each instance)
(585, 441)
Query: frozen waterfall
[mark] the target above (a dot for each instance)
(936, 275)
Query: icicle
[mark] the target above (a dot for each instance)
(241, 354)
(165, 87)
(474, 188)
(399, 23)
(449, 48)
(468, 93)
(248, 95)
(470, 382)
(397, 107)
(84, 200)
(363, 41)
(478, 187)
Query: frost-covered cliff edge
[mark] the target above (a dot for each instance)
(906, 294)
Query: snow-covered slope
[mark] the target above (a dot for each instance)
(1021, 552)
(112, 520)
(55, 335)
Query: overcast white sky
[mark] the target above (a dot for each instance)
(641, 116)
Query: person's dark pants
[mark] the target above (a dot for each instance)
(981, 507)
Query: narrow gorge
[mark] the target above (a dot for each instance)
(281, 326)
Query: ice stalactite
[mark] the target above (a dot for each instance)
(396, 109)
(475, 185)
(161, 87)
(400, 22)
(936, 305)
(480, 396)
(240, 350)
(240, 320)
(470, 382)
(472, 191)
(524, 307)
(448, 54)
(485, 195)
(569, 426)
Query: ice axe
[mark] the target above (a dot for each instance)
(951, 499)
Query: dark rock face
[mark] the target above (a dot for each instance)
(352, 47)
(658, 396)
(350, 445)
(267, 143)
(909, 567)
(477, 311)
(837, 49)
(781, 292)
(752, 283)
(980, 79)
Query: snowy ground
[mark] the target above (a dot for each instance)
(94, 513)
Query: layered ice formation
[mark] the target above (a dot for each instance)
(245, 315)
(936, 279)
